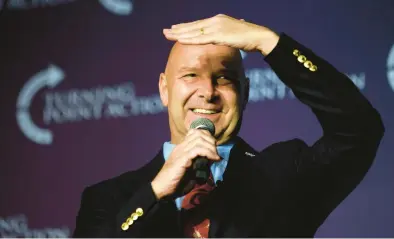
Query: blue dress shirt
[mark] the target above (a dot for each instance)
(217, 168)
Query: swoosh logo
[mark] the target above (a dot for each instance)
(390, 67)
(49, 77)
(118, 7)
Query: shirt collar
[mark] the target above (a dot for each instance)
(223, 149)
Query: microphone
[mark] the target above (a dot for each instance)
(200, 164)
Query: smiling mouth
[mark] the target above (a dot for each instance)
(204, 111)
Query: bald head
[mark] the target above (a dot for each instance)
(201, 56)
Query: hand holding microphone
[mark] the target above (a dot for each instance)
(201, 164)
(197, 148)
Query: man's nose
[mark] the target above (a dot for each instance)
(207, 89)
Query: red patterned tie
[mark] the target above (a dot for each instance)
(195, 216)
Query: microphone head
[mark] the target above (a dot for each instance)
(203, 123)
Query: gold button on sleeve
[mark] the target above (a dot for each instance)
(125, 226)
(139, 211)
(134, 216)
(301, 58)
(129, 221)
(296, 52)
(308, 64)
(313, 68)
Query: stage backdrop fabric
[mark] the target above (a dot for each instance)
(80, 104)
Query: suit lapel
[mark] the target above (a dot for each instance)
(226, 196)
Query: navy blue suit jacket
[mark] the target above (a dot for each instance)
(285, 190)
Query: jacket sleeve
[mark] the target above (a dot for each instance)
(352, 129)
(99, 215)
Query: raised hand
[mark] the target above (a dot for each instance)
(224, 30)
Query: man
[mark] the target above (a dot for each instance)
(285, 190)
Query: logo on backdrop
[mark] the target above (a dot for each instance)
(49, 77)
(390, 67)
(118, 7)
(17, 227)
(76, 105)
(266, 85)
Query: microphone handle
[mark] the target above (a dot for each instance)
(201, 167)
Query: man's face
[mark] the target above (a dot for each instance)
(204, 81)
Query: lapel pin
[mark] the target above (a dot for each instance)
(249, 154)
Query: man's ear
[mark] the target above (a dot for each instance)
(163, 88)
(246, 89)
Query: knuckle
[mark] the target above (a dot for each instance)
(188, 163)
(202, 134)
(216, 18)
(194, 152)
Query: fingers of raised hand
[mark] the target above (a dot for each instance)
(197, 32)
(209, 25)
(192, 26)
(188, 34)
(200, 40)
(191, 35)
(189, 27)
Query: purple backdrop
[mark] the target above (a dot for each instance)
(79, 98)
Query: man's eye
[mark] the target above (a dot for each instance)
(224, 80)
(190, 75)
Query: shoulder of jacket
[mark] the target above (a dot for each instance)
(291, 145)
(124, 182)
(109, 184)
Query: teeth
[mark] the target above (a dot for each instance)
(203, 111)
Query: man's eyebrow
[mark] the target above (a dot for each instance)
(229, 71)
(187, 68)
